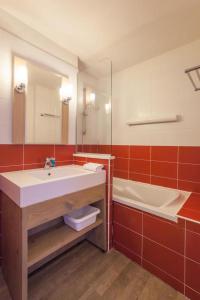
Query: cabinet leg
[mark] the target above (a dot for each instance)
(14, 249)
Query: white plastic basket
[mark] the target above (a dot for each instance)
(82, 217)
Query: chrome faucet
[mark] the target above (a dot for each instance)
(49, 163)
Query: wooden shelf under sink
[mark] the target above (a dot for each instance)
(36, 234)
(45, 243)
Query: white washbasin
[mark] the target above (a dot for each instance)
(56, 173)
(29, 187)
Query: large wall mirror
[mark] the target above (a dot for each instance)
(40, 104)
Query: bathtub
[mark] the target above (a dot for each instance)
(161, 201)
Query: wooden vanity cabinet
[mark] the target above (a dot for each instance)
(35, 234)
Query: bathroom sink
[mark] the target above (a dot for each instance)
(29, 187)
(56, 173)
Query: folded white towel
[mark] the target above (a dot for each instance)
(93, 167)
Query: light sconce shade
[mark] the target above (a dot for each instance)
(66, 92)
(20, 78)
(108, 108)
(92, 98)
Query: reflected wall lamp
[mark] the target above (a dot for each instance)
(66, 92)
(21, 78)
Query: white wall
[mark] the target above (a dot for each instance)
(12, 25)
(158, 87)
(11, 44)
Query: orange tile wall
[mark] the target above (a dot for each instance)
(136, 236)
(169, 166)
(169, 250)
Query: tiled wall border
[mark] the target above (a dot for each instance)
(20, 157)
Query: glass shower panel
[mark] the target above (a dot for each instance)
(94, 109)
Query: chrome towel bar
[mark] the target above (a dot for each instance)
(49, 115)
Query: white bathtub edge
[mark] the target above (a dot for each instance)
(169, 212)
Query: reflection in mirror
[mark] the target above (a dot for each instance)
(94, 108)
(40, 104)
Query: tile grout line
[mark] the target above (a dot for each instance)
(155, 160)
(150, 153)
(127, 228)
(164, 271)
(188, 219)
(161, 245)
(130, 208)
(108, 205)
(177, 175)
(194, 261)
(54, 151)
(184, 270)
(160, 219)
(152, 241)
(172, 178)
(23, 148)
(129, 156)
(131, 251)
(192, 289)
(142, 240)
(193, 232)
(161, 177)
(6, 166)
(149, 262)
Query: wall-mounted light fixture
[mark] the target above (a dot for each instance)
(90, 98)
(66, 91)
(108, 108)
(20, 77)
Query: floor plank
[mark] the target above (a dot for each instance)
(86, 273)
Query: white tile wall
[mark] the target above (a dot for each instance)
(157, 87)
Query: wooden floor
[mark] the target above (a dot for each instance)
(86, 273)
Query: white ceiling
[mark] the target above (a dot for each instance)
(126, 31)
